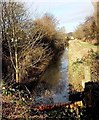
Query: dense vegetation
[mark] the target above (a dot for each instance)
(28, 48)
(87, 31)
(83, 66)
(28, 45)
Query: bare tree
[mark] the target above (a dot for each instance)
(19, 42)
(29, 44)
(87, 30)
(12, 17)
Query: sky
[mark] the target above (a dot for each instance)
(69, 13)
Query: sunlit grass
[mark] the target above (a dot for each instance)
(78, 50)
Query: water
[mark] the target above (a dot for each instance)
(56, 79)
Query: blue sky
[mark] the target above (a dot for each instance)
(70, 13)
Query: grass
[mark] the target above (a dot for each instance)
(78, 50)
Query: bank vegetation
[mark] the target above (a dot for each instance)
(28, 45)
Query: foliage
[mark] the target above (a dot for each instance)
(86, 31)
(91, 60)
(47, 24)
(28, 45)
(87, 58)
(13, 32)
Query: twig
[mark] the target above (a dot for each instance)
(28, 90)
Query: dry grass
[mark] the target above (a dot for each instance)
(81, 73)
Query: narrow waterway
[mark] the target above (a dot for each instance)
(56, 79)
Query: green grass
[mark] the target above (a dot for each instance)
(77, 50)
(88, 45)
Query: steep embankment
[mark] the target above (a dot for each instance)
(79, 73)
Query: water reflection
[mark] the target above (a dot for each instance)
(56, 79)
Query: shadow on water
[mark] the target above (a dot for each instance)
(54, 83)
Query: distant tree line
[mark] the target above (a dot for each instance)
(28, 46)
(87, 31)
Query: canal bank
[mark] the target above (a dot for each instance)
(54, 87)
(79, 73)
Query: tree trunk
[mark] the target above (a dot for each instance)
(16, 63)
